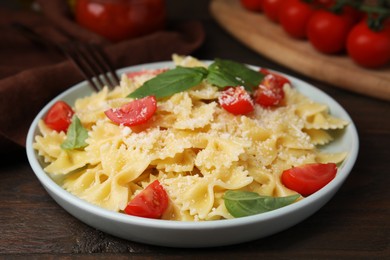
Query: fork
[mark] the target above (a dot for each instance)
(92, 63)
(89, 58)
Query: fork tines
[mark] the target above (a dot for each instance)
(89, 58)
(92, 63)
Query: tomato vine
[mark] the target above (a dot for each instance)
(359, 28)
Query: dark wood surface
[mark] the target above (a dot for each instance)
(355, 224)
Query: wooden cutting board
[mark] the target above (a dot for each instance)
(269, 39)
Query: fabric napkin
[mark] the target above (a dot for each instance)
(30, 76)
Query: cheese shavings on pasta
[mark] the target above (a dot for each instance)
(195, 148)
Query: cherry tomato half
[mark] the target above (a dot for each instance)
(282, 80)
(117, 20)
(369, 48)
(270, 91)
(149, 203)
(59, 116)
(328, 31)
(252, 5)
(309, 178)
(236, 100)
(294, 16)
(133, 113)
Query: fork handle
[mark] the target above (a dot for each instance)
(35, 37)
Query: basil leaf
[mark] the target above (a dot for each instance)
(171, 82)
(76, 135)
(226, 73)
(246, 203)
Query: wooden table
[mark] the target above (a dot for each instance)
(354, 224)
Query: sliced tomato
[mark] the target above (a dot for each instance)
(236, 100)
(149, 203)
(282, 80)
(309, 178)
(133, 113)
(152, 72)
(59, 116)
(270, 91)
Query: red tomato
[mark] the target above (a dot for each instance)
(236, 100)
(59, 116)
(270, 91)
(282, 80)
(309, 178)
(323, 3)
(328, 31)
(117, 20)
(294, 16)
(369, 48)
(331, 4)
(356, 14)
(252, 5)
(133, 113)
(271, 9)
(149, 203)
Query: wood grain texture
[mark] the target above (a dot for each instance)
(269, 39)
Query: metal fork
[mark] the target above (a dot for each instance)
(92, 63)
(89, 58)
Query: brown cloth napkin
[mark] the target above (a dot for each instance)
(31, 76)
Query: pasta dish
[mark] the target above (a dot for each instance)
(192, 144)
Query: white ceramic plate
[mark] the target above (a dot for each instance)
(197, 234)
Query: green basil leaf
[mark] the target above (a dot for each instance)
(171, 82)
(76, 135)
(246, 203)
(226, 73)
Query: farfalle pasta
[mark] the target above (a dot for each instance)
(195, 148)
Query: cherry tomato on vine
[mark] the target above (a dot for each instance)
(236, 100)
(328, 32)
(270, 91)
(59, 116)
(149, 203)
(323, 3)
(271, 9)
(252, 5)
(309, 178)
(133, 113)
(117, 20)
(332, 5)
(294, 16)
(367, 47)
